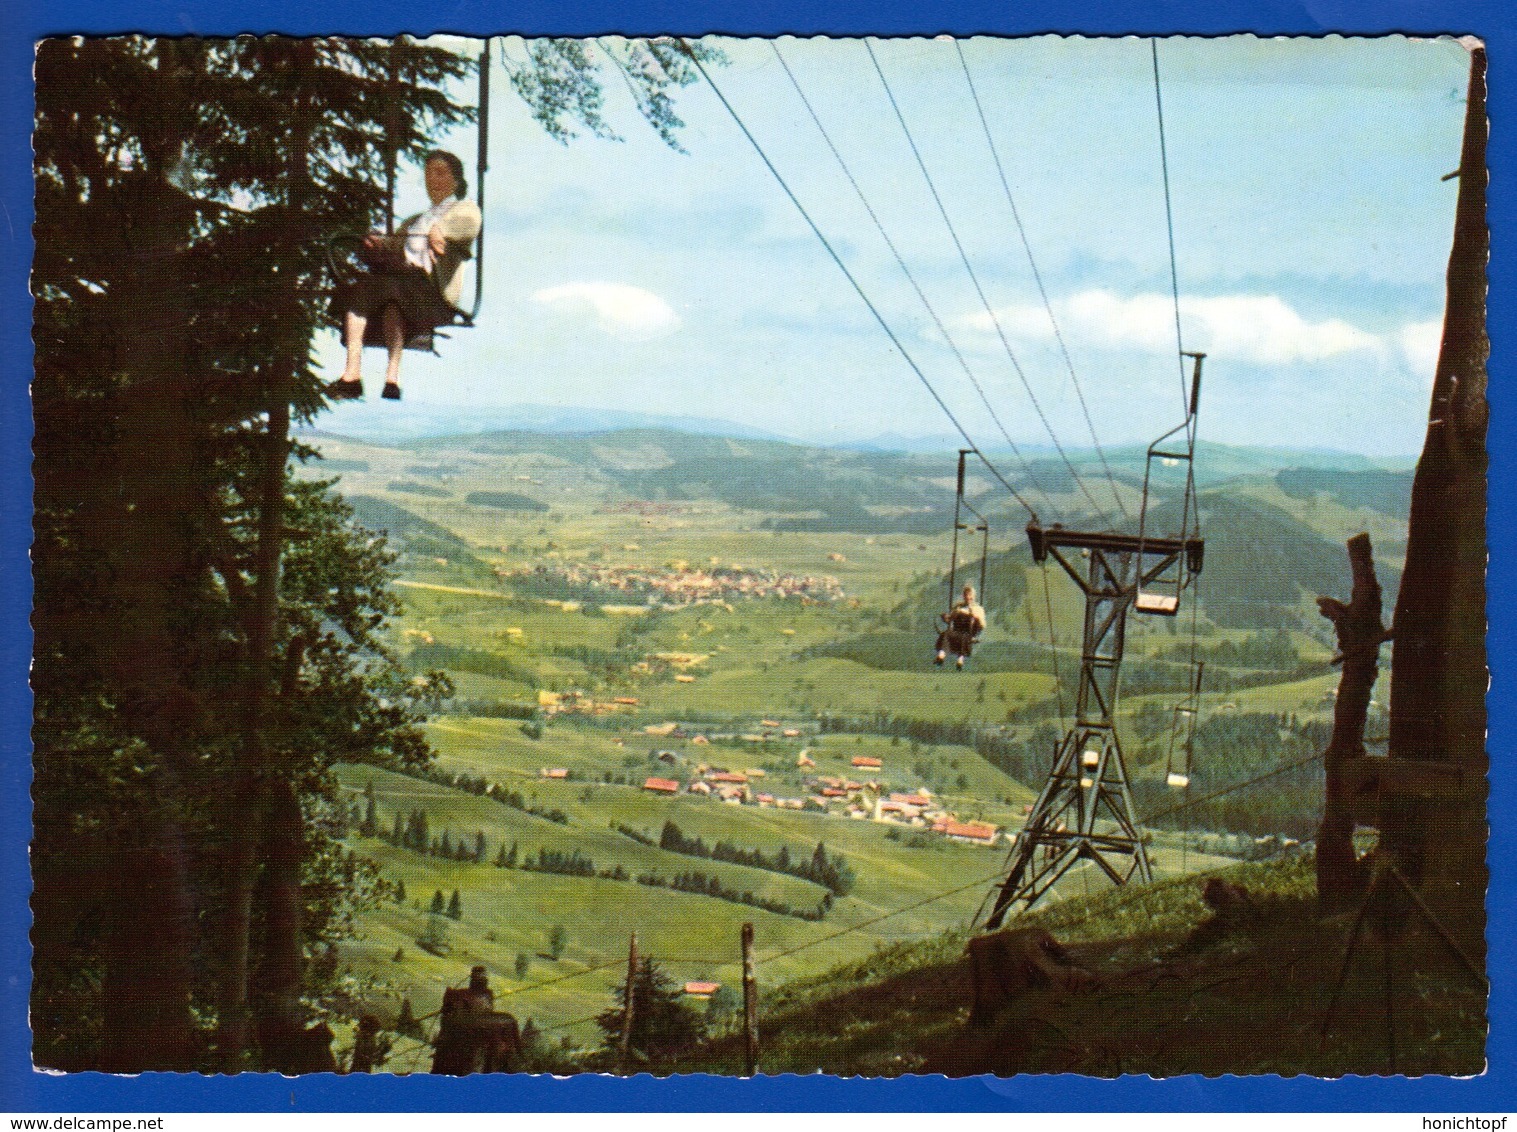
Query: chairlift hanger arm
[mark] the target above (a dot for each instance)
(983, 524)
(1191, 409)
(482, 166)
(960, 505)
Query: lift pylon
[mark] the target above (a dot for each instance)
(1085, 810)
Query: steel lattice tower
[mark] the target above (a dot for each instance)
(1085, 810)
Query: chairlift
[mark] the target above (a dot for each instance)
(1182, 735)
(1159, 584)
(462, 319)
(960, 637)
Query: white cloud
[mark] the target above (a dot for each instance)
(1262, 329)
(621, 310)
(1420, 342)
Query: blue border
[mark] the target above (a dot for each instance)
(23, 1090)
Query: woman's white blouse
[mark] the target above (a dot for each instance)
(418, 244)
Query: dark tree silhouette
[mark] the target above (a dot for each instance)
(207, 629)
(662, 1025)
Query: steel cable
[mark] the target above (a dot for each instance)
(980, 290)
(910, 277)
(885, 326)
(1038, 278)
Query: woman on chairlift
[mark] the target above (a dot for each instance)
(962, 625)
(413, 283)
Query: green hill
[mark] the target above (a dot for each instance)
(412, 535)
(1387, 492)
(1177, 991)
(1261, 564)
(740, 590)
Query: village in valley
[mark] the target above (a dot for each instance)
(869, 800)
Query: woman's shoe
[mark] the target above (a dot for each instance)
(345, 390)
(391, 391)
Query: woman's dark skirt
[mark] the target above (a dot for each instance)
(408, 289)
(956, 641)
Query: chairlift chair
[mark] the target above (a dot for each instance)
(1158, 585)
(1182, 735)
(462, 320)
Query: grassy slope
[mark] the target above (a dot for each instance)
(1172, 999)
(509, 912)
(695, 935)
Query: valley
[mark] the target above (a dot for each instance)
(730, 639)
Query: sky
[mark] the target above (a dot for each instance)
(1311, 236)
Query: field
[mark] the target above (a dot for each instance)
(557, 581)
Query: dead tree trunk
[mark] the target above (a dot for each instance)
(1439, 675)
(1341, 877)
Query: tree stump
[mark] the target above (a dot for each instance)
(1007, 963)
(1342, 878)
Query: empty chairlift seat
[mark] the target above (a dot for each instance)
(1164, 604)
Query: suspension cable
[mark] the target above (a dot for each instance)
(1038, 277)
(910, 278)
(885, 326)
(1169, 219)
(979, 290)
(1053, 646)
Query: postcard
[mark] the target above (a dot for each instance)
(940, 558)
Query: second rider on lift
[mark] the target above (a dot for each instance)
(962, 625)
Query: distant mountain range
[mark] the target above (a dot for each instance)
(1274, 520)
(387, 423)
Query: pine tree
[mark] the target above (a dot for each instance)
(557, 938)
(418, 837)
(479, 846)
(434, 936)
(523, 964)
(662, 1025)
(437, 903)
(400, 891)
(455, 906)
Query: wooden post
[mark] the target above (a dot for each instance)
(624, 1047)
(750, 1006)
(1341, 877)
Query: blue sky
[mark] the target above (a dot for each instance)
(1311, 237)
